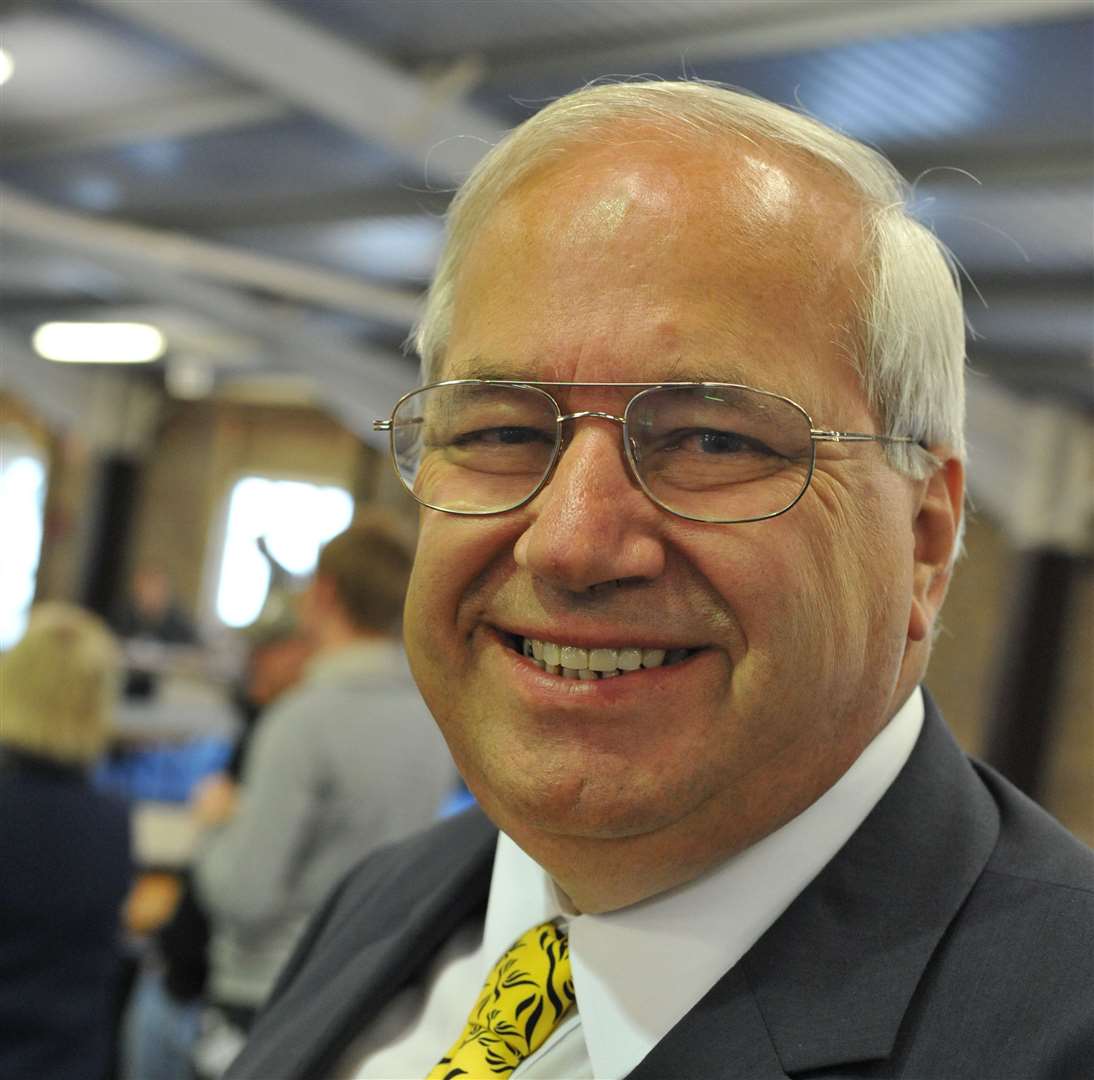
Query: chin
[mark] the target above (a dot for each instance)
(575, 807)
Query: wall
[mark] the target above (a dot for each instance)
(968, 652)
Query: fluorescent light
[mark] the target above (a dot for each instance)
(99, 342)
(7, 66)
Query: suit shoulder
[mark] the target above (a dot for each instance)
(424, 861)
(374, 899)
(1032, 845)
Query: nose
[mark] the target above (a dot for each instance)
(592, 524)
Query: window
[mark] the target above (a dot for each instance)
(22, 504)
(295, 518)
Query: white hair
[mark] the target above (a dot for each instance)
(911, 332)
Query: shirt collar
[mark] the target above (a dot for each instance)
(690, 936)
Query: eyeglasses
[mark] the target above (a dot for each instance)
(712, 452)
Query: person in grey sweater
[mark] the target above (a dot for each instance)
(343, 763)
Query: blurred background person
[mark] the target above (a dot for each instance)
(148, 619)
(164, 1012)
(152, 612)
(344, 762)
(64, 849)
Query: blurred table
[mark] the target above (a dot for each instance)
(165, 835)
(184, 707)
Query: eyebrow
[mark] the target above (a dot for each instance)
(479, 367)
(676, 370)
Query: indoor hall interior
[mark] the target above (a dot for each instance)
(257, 193)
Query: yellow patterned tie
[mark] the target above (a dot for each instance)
(522, 1002)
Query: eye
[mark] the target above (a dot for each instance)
(716, 442)
(502, 436)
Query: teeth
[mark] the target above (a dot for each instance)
(573, 662)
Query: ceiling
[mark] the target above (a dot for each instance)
(266, 179)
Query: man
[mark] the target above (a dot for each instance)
(344, 762)
(680, 669)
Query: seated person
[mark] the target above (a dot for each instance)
(64, 850)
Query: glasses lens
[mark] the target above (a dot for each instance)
(474, 448)
(720, 453)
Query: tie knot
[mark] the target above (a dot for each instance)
(523, 1000)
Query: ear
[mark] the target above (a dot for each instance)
(937, 529)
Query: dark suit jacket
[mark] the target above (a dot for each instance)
(64, 873)
(952, 937)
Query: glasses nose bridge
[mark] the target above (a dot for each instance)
(594, 414)
(591, 414)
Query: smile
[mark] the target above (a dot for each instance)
(574, 662)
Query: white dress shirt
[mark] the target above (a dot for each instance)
(639, 970)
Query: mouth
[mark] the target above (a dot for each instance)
(577, 662)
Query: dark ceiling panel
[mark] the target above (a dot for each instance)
(1029, 82)
(282, 159)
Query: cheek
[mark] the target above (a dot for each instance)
(458, 561)
(806, 590)
(862, 562)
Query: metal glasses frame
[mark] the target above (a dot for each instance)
(816, 435)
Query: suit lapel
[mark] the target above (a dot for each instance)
(722, 1038)
(830, 982)
(377, 936)
(835, 975)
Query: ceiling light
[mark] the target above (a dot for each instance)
(7, 66)
(99, 342)
(188, 377)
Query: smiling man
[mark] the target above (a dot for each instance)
(690, 457)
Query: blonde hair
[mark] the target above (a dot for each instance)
(58, 685)
(911, 321)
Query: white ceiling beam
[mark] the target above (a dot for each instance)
(354, 382)
(247, 210)
(82, 234)
(786, 27)
(214, 109)
(311, 68)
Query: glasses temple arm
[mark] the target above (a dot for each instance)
(819, 435)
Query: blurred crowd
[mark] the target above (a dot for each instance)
(123, 959)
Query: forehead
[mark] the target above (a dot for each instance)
(652, 259)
